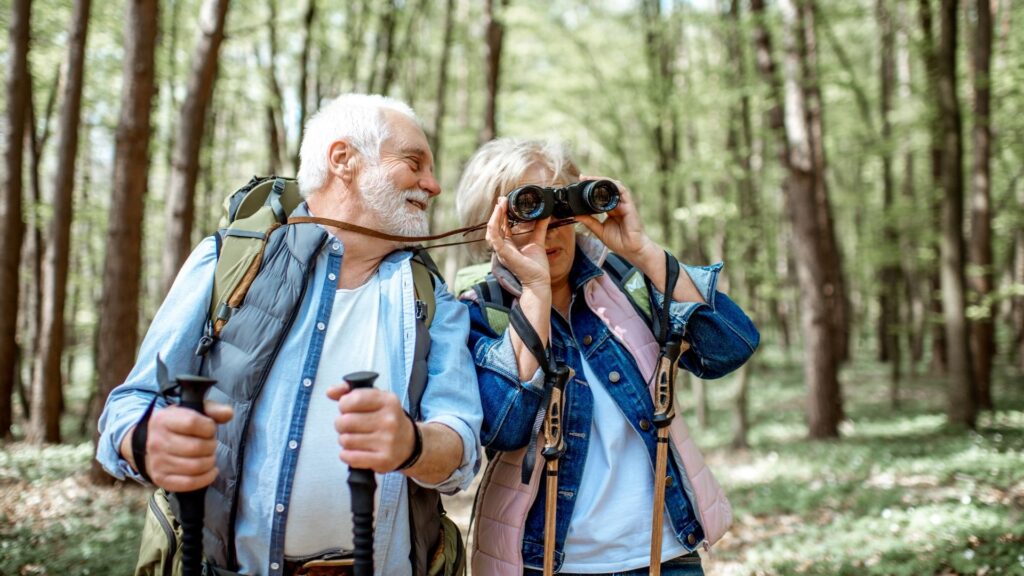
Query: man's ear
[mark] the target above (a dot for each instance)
(341, 161)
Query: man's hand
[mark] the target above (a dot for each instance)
(373, 430)
(180, 446)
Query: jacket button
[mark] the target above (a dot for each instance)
(614, 376)
(669, 481)
(691, 539)
(645, 425)
(587, 340)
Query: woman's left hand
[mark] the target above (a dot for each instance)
(622, 231)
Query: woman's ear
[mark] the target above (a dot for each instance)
(341, 161)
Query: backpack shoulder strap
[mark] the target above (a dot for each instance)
(496, 303)
(631, 282)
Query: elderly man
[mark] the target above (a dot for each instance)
(268, 445)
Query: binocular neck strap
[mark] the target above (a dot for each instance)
(382, 235)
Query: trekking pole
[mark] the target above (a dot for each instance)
(664, 408)
(193, 504)
(361, 485)
(554, 447)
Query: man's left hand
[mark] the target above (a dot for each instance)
(373, 430)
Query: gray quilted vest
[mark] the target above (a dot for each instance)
(240, 360)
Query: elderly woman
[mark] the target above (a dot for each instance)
(561, 282)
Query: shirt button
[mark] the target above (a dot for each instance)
(307, 382)
(614, 376)
(293, 445)
(691, 539)
(336, 246)
(332, 276)
(321, 326)
(279, 508)
(587, 340)
(275, 566)
(645, 425)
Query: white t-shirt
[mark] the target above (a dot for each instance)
(611, 522)
(320, 515)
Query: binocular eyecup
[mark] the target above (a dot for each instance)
(529, 203)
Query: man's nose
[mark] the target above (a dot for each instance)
(430, 185)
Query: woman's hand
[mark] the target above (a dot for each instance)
(622, 231)
(527, 257)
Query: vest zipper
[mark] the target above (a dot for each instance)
(232, 554)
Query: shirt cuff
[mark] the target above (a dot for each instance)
(705, 279)
(463, 476)
(108, 452)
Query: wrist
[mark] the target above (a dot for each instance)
(649, 258)
(417, 446)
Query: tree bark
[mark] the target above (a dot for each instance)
(12, 222)
(46, 381)
(890, 273)
(277, 137)
(304, 77)
(494, 34)
(665, 131)
(808, 209)
(962, 402)
(180, 208)
(381, 73)
(442, 85)
(117, 333)
(982, 330)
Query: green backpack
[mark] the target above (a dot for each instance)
(250, 215)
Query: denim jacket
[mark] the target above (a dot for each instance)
(271, 445)
(721, 338)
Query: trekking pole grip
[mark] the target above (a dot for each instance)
(193, 504)
(362, 484)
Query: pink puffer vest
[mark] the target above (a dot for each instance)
(504, 501)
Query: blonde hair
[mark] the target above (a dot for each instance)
(497, 168)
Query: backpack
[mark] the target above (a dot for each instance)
(250, 215)
(496, 302)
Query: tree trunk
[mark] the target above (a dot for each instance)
(277, 136)
(983, 330)
(962, 403)
(381, 72)
(442, 86)
(665, 132)
(117, 333)
(46, 381)
(813, 242)
(12, 224)
(180, 207)
(890, 273)
(494, 31)
(304, 76)
(929, 54)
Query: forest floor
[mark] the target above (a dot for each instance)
(900, 493)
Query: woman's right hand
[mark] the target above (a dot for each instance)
(526, 255)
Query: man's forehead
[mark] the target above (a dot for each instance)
(406, 136)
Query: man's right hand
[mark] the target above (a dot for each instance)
(180, 446)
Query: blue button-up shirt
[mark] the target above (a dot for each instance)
(451, 398)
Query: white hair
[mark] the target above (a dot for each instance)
(497, 167)
(356, 118)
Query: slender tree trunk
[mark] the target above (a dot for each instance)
(983, 330)
(494, 34)
(12, 223)
(277, 138)
(180, 208)
(1018, 279)
(665, 132)
(442, 85)
(890, 274)
(929, 53)
(384, 50)
(46, 382)
(812, 242)
(117, 333)
(962, 402)
(304, 77)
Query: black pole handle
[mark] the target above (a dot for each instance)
(362, 484)
(193, 504)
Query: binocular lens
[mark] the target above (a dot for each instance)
(602, 196)
(526, 203)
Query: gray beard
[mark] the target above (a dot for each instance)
(389, 204)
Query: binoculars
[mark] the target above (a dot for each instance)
(528, 203)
